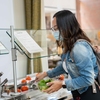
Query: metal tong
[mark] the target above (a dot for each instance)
(22, 84)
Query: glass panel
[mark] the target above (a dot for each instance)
(43, 38)
(46, 41)
(4, 47)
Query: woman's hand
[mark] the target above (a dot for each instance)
(54, 86)
(40, 76)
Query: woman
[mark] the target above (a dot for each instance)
(78, 57)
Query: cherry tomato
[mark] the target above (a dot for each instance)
(24, 88)
(23, 81)
(61, 77)
(28, 78)
(18, 90)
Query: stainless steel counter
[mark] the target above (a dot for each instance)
(37, 95)
(32, 94)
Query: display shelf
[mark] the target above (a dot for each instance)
(43, 38)
(46, 41)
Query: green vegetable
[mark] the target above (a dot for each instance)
(42, 81)
(42, 84)
(48, 80)
(44, 87)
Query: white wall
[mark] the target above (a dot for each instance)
(11, 13)
(19, 14)
(19, 23)
(6, 13)
(55, 5)
(43, 26)
(6, 19)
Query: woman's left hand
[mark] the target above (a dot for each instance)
(54, 86)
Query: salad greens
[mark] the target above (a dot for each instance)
(42, 84)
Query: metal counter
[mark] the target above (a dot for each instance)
(33, 94)
(37, 95)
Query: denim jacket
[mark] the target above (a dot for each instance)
(83, 70)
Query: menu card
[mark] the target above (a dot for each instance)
(27, 41)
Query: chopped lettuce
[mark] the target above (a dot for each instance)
(42, 84)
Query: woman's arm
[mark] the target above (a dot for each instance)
(56, 71)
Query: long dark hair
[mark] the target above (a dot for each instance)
(69, 29)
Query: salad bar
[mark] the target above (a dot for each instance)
(28, 89)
